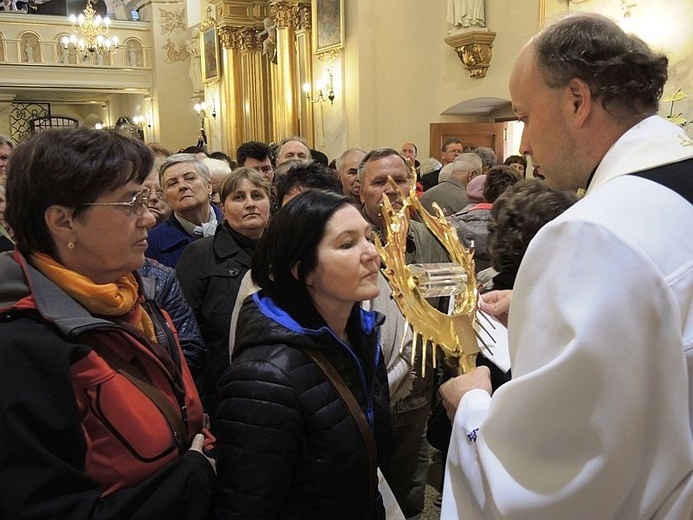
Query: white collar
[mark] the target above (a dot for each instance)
(652, 142)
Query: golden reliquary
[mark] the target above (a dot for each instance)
(454, 333)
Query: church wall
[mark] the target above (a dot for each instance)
(175, 122)
(400, 75)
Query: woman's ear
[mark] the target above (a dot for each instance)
(60, 223)
(294, 270)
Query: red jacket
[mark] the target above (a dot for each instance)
(78, 439)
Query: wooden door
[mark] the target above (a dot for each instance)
(492, 135)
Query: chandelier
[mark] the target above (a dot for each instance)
(89, 32)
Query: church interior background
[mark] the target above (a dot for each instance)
(341, 73)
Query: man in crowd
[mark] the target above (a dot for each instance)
(451, 149)
(256, 154)
(409, 151)
(408, 462)
(347, 170)
(596, 421)
(451, 192)
(293, 148)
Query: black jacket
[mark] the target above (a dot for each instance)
(287, 446)
(210, 273)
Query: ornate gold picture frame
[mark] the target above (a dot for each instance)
(328, 26)
(209, 48)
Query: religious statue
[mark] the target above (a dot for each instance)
(269, 44)
(64, 56)
(29, 50)
(195, 71)
(132, 55)
(466, 13)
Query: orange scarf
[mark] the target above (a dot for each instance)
(118, 299)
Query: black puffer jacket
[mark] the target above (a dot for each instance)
(287, 446)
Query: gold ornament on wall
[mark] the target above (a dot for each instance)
(474, 50)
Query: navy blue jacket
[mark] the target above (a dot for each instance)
(168, 240)
(161, 283)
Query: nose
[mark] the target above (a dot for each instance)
(525, 145)
(370, 252)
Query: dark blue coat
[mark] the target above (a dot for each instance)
(168, 240)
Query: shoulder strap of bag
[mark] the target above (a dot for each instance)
(678, 177)
(134, 375)
(350, 402)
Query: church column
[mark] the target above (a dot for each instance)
(304, 72)
(231, 103)
(256, 89)
(284, 85)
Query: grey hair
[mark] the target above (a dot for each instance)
(445, 172)
(6, 141)
(177, 158)
(465, 163)
(488, 157)
(296, 138)
(340, 160)
(375, 154)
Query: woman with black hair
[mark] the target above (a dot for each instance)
(304, 406)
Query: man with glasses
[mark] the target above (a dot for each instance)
(451, 149)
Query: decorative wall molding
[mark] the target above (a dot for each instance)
(474, 50)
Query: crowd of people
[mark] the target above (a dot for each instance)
(193, 336)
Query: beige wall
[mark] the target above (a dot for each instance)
(175, 123)
(399, 75)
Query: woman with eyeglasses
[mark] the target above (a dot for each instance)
(100, 416)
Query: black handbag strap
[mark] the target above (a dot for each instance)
(677, 177)
(135, 376)
(353, 406)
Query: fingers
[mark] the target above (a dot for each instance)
(454, 389)
(496, 304)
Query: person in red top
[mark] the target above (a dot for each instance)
(100, 415)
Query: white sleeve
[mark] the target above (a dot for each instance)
(595, 422)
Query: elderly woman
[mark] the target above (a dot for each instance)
(210, 270)
(304, 411)
(100, 416)
(186, 185)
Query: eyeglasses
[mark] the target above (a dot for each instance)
(138, 203)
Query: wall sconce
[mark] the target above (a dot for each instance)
(202, 107)
(324, 93)
(626, 7)
(140, 121)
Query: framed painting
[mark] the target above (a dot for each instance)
(210, 54)
(328, 25)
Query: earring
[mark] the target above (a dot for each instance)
(70, 245)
